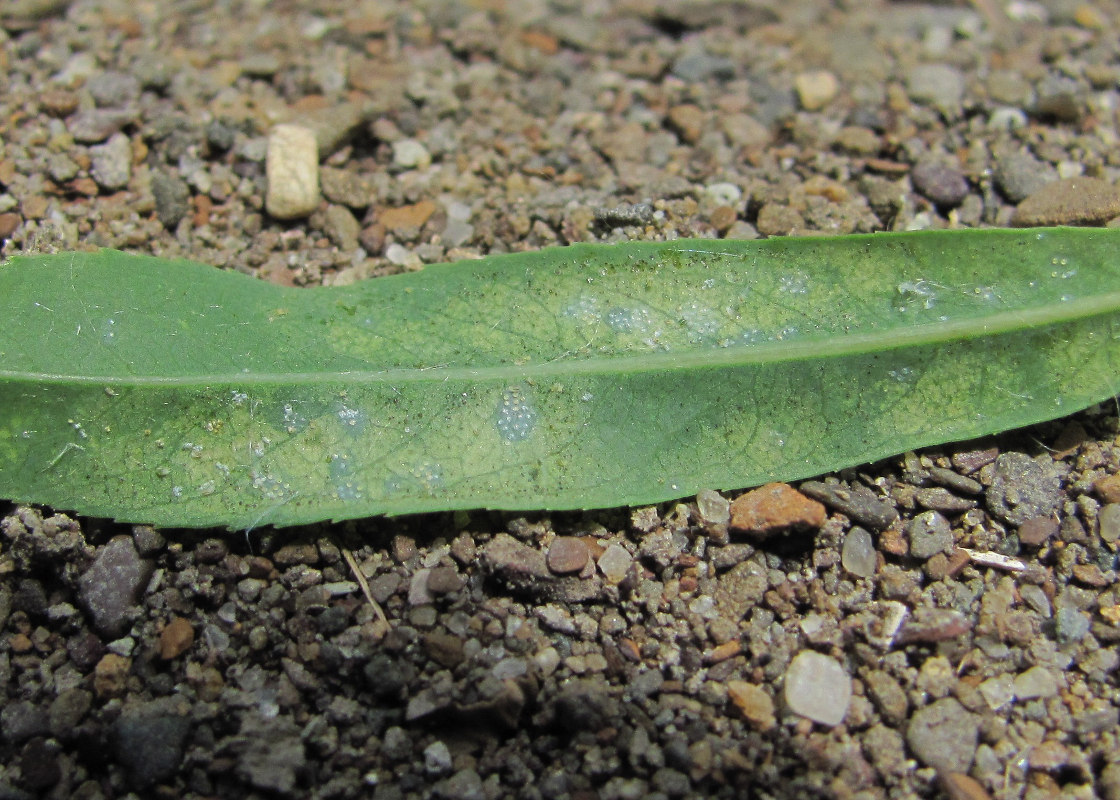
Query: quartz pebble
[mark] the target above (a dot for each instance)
(858, 553)
(614, 563)
(292, 167)
(713, 507)
(818, 687)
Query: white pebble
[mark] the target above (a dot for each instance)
(292, 168)
(818, 687)
(410, 153)
(437, 758)
(713, 507)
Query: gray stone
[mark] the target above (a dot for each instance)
(20, 720)
(699, 66)
(466, 784)
(1023, 487)
(67, 710)
(1072, 624)
(855, 502)
(944, 735)
(1019, 175)
(396, 744)
(341, 227)
(437, 758)
(1037, 681)
(113, 88)
(939, 85)
(270, 753)
(148, 739)
(172, 197)
(740, 589)
(929, 534)
(945, 186)
(111, 163)
(98, 124)
(110, 588)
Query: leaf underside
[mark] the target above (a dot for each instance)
(590, 376)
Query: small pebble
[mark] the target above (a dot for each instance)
(176, 638)
(958, 786)
(113, 89)
(944, 735)
(1019, 175)
(1074, 201)
(775, 507)
(97, 124)
(110, 588)
(855, 502)
(714, 508)
(858, 554)
(945, 186)
(292, 167)
(409, 153)
(753, 703)
(939, 85)
(172, 198)
(1035, 531)
(816, 89)
(1038, 681)
(818, 687)
(567, 554)
(111, 163)
(615, 562)
(929, 533)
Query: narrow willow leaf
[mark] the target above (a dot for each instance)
(580, 377)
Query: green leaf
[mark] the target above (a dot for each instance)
(580, 377)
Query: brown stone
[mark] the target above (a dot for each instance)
(34, 207)
(775, 507)
(407, 217)
(539, 40)
(723, 651)
(688, 121)
(1108, 488)
(59, 102)
(8, 224)
(1073, 201)
(958, 560)
(1090, 575)
(1073, 435)
(893, 542)
(444, 580)
(722, 218)
(1037, 530)
(958, 786)
(756, 706)
(775, 219)
(176, 638)
(567, 554)
(110, 675)
(1049, 755)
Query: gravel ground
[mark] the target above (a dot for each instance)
(940, 624)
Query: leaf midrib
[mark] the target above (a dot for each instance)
(764, 353)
